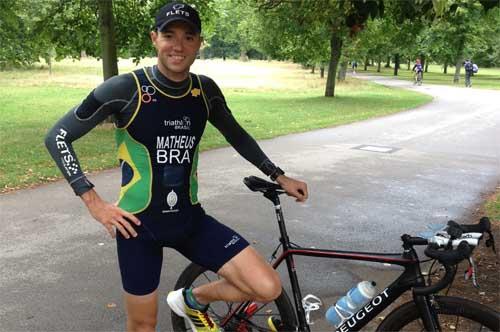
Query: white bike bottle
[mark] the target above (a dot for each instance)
(349, 304)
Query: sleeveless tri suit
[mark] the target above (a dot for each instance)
(158, 152)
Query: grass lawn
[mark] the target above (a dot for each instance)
(288, 100)
(492, 206)
(486, 78)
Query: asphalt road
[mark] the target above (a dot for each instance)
(59, 270)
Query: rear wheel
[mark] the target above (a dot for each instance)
(251, 316)
(454, 314)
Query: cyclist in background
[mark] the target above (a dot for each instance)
(417, 70)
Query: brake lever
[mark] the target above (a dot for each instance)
(470, 273)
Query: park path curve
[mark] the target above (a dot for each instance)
(427, 165)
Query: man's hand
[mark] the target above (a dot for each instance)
(295, 188)
(110, 215)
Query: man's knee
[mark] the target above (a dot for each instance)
(141, 324)
(269, 287)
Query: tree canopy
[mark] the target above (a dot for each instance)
(313, 33)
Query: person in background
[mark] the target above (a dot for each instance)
(469, 72)
(417, 70)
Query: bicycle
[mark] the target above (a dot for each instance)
(418, 78)
(427, 311)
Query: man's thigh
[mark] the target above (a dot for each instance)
(212, 244)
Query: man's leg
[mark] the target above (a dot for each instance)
(140, 260)
(142, 312)
(247, 276)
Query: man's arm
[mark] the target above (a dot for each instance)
(110, 98)
(221, 117)
(75, 124)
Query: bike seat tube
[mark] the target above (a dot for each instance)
(284, 239)
(285, 242)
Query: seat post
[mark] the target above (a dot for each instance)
(273, 197)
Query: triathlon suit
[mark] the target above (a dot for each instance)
(158, 129)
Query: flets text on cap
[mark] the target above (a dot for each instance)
(177, 11)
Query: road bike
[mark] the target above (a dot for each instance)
(427, 311)
(418, 78)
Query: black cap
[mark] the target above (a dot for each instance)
(177, 11)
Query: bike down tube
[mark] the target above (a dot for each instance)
(290, 264)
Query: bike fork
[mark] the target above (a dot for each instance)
(427, 313)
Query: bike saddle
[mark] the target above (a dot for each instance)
(255, 183)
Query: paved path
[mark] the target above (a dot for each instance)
(59, 270)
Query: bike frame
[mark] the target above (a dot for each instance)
(410, 277)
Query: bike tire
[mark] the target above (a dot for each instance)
(285, 310)
(454, 314)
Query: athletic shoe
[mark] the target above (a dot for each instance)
(198, 320)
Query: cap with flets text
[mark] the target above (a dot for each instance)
(177, 11)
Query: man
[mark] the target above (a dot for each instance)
(160, 114)
(469, 72)
(417, 69)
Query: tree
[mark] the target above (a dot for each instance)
(19, 45)
(107, 34)
(459, 27)
(489, 54)
(327, 20)
(70, 27)
(235, 27)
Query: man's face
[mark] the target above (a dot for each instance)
(176, 46)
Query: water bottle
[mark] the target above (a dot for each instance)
(349, 304)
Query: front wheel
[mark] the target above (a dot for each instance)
(454, 314)
(249, 317)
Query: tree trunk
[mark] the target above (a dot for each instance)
(342, 71)
(426, 67)
(459, 60)
(379, 66)
(335, 52)
(322, 71)
(445, 71)
(409, 64)
(107, 33)
(458, 67)
(396, 64)
(366, 63)
(243, 55)
(388, 64)
(313, 68)
(423, 63)
(202, 53)
(108, 44)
